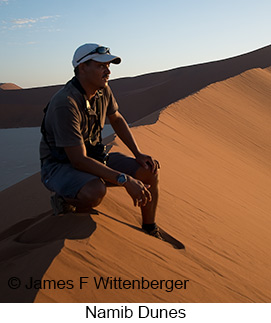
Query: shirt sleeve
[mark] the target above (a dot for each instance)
(66, 126)
(112, 103)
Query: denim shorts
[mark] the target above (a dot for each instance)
(67, 181)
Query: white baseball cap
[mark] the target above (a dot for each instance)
(95, 52)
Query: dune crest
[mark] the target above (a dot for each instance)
(137, 96)
(214, 149)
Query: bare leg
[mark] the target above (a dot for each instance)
(149, 210)
(90, 195)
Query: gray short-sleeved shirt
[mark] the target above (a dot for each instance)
(66, 120)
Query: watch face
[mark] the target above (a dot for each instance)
(122, 179)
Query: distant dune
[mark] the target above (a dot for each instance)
(9, 86)
(137, 96)
(215, 150)
(24, 108)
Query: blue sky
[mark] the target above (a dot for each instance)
(38, 38)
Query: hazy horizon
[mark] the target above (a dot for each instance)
(38, 39)
(123, 77)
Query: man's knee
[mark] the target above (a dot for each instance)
(147, 176)
(92, 193)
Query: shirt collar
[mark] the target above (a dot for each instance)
(79, 87)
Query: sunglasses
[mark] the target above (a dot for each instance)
(98, 50)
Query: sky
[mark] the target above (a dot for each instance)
(38, 38)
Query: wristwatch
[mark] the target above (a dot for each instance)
(121, 179)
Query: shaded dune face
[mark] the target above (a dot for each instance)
(214, 149)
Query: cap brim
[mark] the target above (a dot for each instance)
(105, 58)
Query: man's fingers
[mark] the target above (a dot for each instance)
(143, 199)
(154, 164)
(148, 195)
(143, 163)
(139, 192)
(150, 163)
(141, 202)
(156, 167)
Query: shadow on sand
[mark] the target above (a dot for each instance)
(176, 244)
(29, 247)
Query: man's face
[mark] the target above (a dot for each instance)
(96, 74)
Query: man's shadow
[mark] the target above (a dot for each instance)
(29, 247)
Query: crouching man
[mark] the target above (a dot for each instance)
(74, 163)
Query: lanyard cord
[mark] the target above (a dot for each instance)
(90, 112)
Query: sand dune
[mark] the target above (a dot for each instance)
(214, 148)
(157, 90)
(9, 86)
(24, 108)
(137, 96)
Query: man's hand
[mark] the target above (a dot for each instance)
(138, 191)
(147, 161)
(123, 131)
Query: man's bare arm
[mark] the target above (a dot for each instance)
(122, 129)
(79, 160)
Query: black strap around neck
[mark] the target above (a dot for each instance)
(77, 84)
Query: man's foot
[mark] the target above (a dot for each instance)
(155, 232)
(60, 206)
